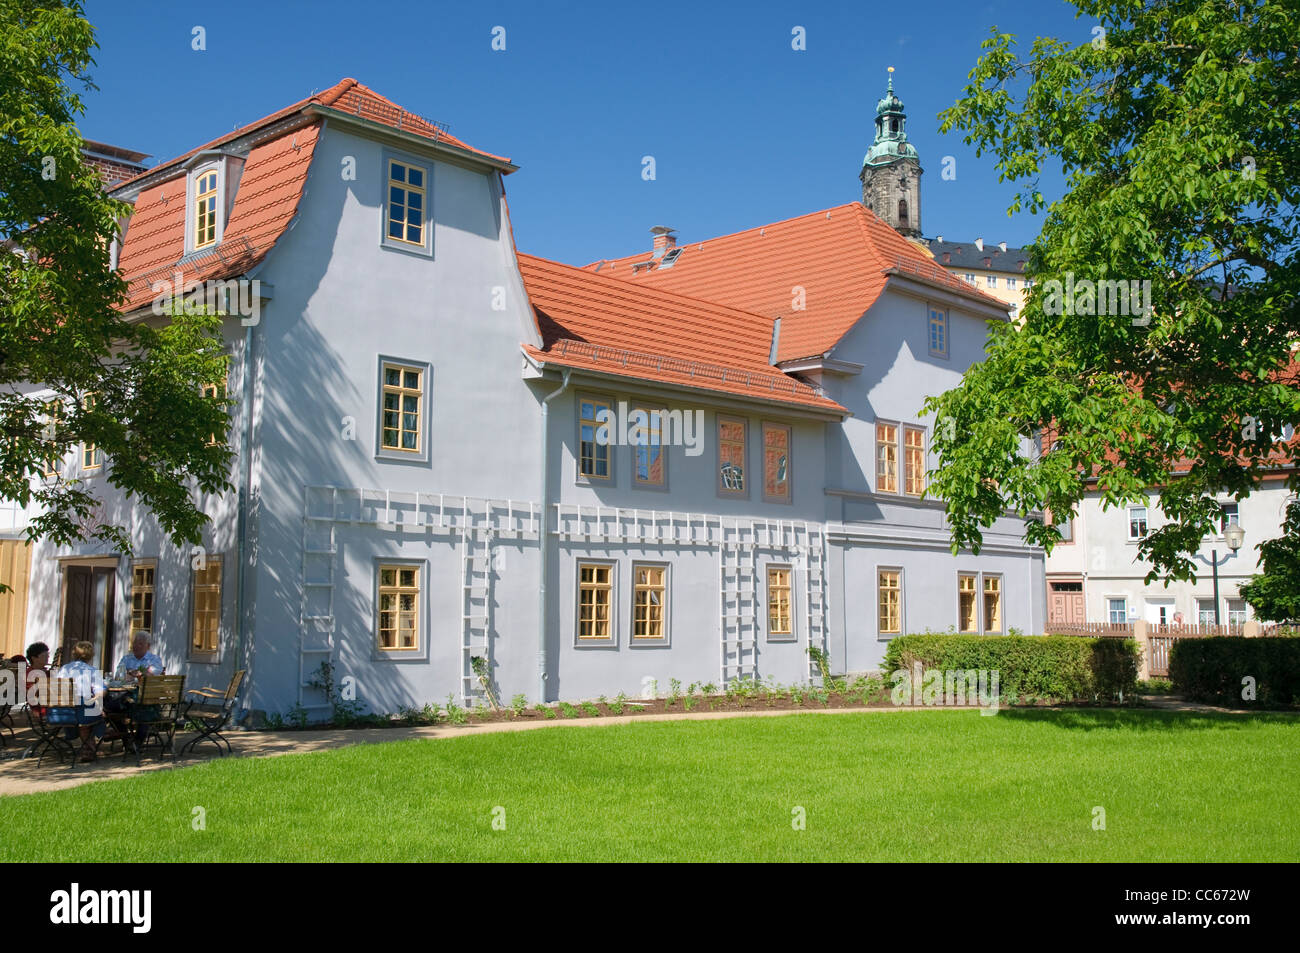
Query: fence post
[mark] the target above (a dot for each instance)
(1251, 629)
(1144, 646)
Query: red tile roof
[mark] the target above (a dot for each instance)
(265, 202)
(347, 95)
(593, 322)
(841, 258)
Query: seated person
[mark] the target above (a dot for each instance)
(38, 661)
(88, 714)
(140, 661)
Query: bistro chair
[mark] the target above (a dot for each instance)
(6, 713)
(211, 709)
(155, 711)
(62, 694)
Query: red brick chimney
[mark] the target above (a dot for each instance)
(664, 239)
(113, 163)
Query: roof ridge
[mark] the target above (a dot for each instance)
(735, 234)
(333, 94)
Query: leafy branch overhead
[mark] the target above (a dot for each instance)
(1177, 126)
(129, 389)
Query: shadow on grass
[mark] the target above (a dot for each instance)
(1146, 719)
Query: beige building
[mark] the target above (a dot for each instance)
(996, 269)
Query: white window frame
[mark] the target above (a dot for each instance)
(1128, 523)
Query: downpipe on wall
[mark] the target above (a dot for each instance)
(544, 535)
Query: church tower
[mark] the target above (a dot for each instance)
(891, 171)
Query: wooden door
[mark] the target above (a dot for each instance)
(78, 613)
(1065, 602)
(15, 569)
(88, 611)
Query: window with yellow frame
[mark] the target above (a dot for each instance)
(780, 618)
(649, 601)
(595, 600)
(992, 603)
(205, 209)
(397, 623)
(594, 416)
(205, 616)
(142, 593)
(967, 611)
(53, 417)
(406, 203)
(403, 400)
(214, 392)
(92, 457)
(889, 587)
(913, 461)
(886, 458)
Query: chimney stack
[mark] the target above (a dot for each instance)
(979, 243)
(1002, 245)
(113, 163)
(664, 239)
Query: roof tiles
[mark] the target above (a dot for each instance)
(595, 322)
(819, 273)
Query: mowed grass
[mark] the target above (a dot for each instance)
(955, 786)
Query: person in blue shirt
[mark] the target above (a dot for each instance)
(88, 712)
(140, 661)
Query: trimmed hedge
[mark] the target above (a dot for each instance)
(1211, 670)
(1062, 667)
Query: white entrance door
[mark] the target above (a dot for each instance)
(1160, 611)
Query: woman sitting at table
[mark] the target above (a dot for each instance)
(88, 714)
(38, 664)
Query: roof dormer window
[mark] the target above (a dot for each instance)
(205, 208)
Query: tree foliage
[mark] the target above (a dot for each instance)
(1177, 126)
(133, 389)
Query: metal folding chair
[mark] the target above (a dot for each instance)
(212, 709)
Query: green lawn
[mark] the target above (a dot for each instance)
(1021, 785)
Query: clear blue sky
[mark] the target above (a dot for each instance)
(744, 130)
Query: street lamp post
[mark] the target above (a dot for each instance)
(1234, 535)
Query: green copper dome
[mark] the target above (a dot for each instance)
(891, 143)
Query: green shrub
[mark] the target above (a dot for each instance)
(1214, 670)
(1155, 686)
(1040, 666)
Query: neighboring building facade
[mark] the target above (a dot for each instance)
(997, 270)
(419, 479)
(1094, 576)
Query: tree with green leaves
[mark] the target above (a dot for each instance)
(132, 389)
(1274, 593)
(1177, 126)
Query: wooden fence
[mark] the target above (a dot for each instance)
(1157, 641)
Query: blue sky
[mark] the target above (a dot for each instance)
(744, 130)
